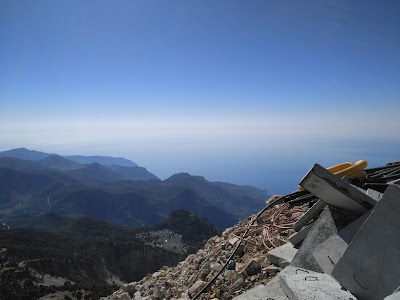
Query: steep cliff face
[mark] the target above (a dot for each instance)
(131, 264)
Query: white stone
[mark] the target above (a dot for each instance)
(282, 255)
(233, 241)
(196, 287)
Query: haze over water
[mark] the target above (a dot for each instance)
(237, 91)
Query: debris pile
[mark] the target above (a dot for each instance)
(337, 239)
(237, 260)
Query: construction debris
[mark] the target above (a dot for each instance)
(298, 237)
(311, 214)
(283, 255)
(336, 192)
(329, 252)
(330, 222)
(347, 246)
(370, 267)
(379, 178)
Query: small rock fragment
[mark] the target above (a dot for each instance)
(196, 287)
(253, 268)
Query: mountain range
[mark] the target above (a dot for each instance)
(26, 154)
(78, 226)
(33, 183)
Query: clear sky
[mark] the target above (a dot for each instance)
(249, 92)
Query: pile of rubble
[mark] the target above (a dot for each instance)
(236, 260)
(339, 239)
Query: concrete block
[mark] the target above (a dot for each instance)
(335, 191)
(298, 237)
(374, 194)
(302, 284)
(312, 213)
(370, 267)
(270, 291)
(328, 253)
(330, 221)
(282, 255)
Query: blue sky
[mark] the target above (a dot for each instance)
(249, 92)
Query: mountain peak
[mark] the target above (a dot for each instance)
(182, 177)
(24, 153)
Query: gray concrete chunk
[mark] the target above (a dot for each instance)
(282, 255)
(335, 191)
(312, 213)
(395, 296)
(330, 221)
(328, 253)
(302, 284)
(374, 194)
(270, 291)
(298, 237)
(370, 267)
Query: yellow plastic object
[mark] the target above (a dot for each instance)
(353, 171)
(339, 167)
(348, 169)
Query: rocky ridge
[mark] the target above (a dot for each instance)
(247, 268)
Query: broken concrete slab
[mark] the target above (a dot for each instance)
(335, 191)
(270, 291)
(328, 253)
(298, 237)
(312, 213)
(303, 284)
(330, 222)
(374, 194)
(282, 255)
(370, 267)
